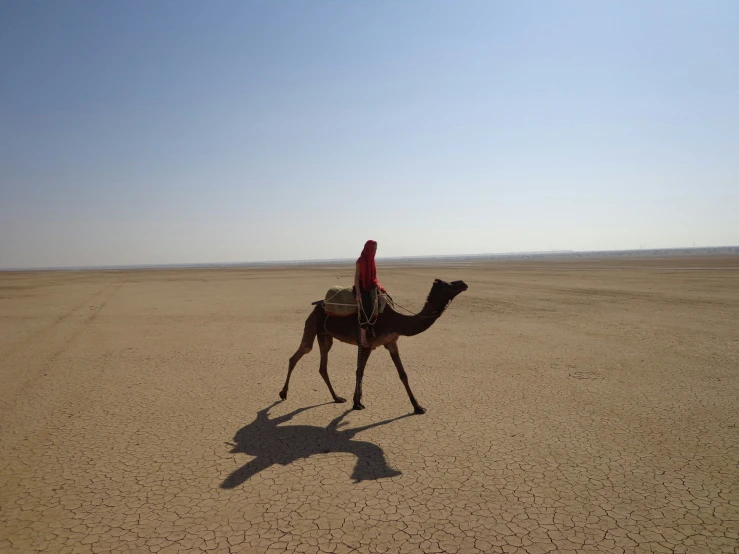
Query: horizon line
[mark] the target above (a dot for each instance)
(321, 261)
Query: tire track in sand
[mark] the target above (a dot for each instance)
(35, 336)
(19, 379)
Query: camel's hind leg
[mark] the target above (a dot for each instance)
(325, 342)
(302, 351)
(306, 345)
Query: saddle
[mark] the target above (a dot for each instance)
(339, 301)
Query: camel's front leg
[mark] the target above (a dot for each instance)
(362, 355)
(395, 355)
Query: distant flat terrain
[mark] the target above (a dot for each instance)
(574, 405)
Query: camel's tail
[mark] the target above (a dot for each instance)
(311, 328)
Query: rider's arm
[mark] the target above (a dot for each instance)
(356, 282)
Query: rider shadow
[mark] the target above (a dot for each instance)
(270, 444)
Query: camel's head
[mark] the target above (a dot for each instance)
(444, 292)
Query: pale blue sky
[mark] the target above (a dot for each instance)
(146, 131)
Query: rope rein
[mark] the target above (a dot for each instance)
(390, 300)
(433, 315)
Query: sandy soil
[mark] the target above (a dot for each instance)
(573, 406)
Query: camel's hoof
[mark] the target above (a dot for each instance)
(283, 394)
(358, 407)
(419, 410)
(339, 400)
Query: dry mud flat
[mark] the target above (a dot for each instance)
(573, 406)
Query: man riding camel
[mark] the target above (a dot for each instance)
(366, 287)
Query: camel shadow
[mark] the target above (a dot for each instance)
(271, 444)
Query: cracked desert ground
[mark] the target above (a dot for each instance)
(573, 406)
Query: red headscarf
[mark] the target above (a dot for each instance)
(367, 268)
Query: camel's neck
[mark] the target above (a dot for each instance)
(410, 325)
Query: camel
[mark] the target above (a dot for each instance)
(390, 325)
